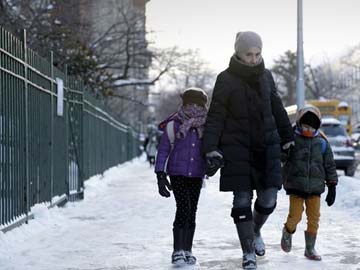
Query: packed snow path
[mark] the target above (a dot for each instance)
(124, 224)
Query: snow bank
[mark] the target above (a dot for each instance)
(348, 195)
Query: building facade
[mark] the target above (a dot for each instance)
(116, 30)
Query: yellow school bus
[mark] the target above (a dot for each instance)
(291, 111)
(337, 109)
(328, 108)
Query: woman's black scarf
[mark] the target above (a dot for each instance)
(249, 73)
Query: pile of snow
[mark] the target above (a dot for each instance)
(348, 195)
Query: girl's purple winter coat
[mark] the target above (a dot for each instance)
(186, 158)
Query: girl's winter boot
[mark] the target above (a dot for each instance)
(188, 241)
(178, 256)
(189, 257)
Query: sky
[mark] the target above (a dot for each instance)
(123, 223)
(330, 27)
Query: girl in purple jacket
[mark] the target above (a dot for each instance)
(180, 156)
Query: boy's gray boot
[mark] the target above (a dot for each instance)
(245, 232)
(310, 251)
(178, 256)
(259, 220)
(286, 240)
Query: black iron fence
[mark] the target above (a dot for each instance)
(53, 135)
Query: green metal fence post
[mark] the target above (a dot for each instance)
(27, 200)
(52, 128)
(81, 139)
(66, 115)
(1, 131)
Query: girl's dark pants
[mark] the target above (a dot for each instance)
(187, 192)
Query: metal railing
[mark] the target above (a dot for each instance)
(43, 154)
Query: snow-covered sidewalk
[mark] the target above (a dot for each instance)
(124, 224)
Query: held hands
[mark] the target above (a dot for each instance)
(214, 161)
(331, 195)
(163, 184)
(288, 145)
(285, 151)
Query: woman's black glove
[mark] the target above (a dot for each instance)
(214, 161)
(163, 184)
(331, 195)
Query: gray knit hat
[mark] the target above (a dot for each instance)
(246, 40)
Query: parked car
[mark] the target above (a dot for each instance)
(356, 128)
(341, 145)
(355, 137)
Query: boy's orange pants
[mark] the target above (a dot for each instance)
(296, 209)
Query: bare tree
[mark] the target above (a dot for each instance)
(115, 58)
(284, 70)
(107, 50)
(340, 78)
(324, 80)
(352, 57)
(350, 71)
(188, 70)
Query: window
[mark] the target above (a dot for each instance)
(333, 130)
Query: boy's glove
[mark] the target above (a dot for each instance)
(163, 184)
(214, 161)
(331, 195)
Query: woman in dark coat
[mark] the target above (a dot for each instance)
(245, 128)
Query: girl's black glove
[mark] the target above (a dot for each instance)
(163, 184)
(331, 195)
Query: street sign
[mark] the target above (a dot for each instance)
(60, 96)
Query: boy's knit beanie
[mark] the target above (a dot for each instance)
(194, 95)
(245, 40)
(309, 118)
